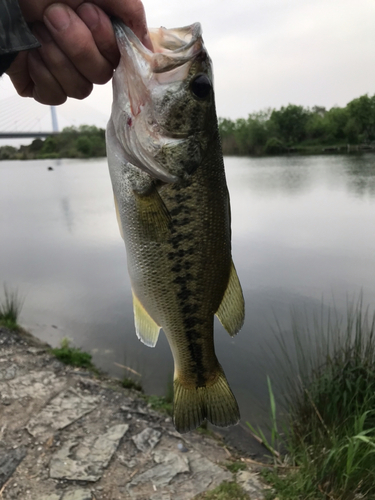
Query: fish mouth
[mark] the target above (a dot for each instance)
(141, 72)
(174, 51)
(172, 47)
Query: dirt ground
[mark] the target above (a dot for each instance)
(67, 434)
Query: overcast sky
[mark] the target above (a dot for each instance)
(268, 53)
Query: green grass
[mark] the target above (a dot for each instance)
(161, 403)
(73, 356)
(10, 309)
(225, 491)
(328, 434)
(130, 383)
(234, 467)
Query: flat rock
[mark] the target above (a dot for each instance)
(168, 466)
(36, 385)
(80, 494)
(205, 475)
(177, 476)
(54, 496)
(147, 439)
(86, 459)
(64, 409)
(9, 461)
(9, 372)
(251, 484)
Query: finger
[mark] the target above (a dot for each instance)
(46, 89)
(132, 13)
(73, 83)
(19, 74)
(75, 40)
(101, 29)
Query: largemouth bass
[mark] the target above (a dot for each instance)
(172, 204)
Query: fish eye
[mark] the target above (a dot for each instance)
(201, 86)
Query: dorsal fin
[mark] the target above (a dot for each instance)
(231, 312)
(146, 329)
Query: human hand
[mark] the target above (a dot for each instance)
(78, 47)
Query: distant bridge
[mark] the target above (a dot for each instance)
(22, 118)
(25, 135)
(14, 113)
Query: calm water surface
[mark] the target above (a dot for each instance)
(303, 232)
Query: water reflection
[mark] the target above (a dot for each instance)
(303, 231)
(360, 172)
(67, 212)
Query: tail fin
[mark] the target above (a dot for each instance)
(216, 403)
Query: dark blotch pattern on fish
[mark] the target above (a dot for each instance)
(181, 265)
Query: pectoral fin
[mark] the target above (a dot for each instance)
(153, 215)
(231, 312)
(146, 328)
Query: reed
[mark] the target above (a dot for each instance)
(10, 309)
(328, 430)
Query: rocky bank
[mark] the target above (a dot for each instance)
(66, 434)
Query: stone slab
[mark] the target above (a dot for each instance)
(168, 466)
(63, 410)
(177, 476)
(9, 461)
(86, 459)
(147, 439)
(80, 494)
(36, 385)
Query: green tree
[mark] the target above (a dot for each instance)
(290, 123)
(362, 111)
(84, 145)
(336, 120)
(49, 145)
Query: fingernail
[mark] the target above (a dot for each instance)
(41, 32)
(89, 14)
(58, 16)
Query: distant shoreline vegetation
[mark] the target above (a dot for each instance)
(290, 129)
(295, 129)
(86, 141)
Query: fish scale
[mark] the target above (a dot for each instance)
(173, 209)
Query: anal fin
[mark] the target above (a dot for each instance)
(146, 329)
(231, 312)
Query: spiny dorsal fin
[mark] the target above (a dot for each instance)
(118, 218)
(146, 329)
(231, 312)
(153, 214)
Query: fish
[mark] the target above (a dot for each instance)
(172, 205)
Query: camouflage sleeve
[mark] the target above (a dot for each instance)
(15, 35)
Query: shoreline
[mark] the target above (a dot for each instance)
(68, 434)
(293, 151)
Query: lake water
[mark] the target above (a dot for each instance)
(303, 233)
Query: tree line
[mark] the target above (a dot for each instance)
(295, 128)
(272, 132)
(86, 141)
